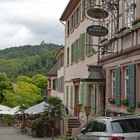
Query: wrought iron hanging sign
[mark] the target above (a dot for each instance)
(96, 30)
(97, 13)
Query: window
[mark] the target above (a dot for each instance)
(113, 84)
(67, 56)
(129, 12)
(54, 84)
(96, 126)
(112, 25)
(89, 42)
(126, 126)
(126, 80)
(60, 86)
(78, 15)
(68, 27)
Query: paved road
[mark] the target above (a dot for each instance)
(10, 133)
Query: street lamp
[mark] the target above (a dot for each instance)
(78, 108)
(87, 111)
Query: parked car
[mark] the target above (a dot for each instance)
(108, 128)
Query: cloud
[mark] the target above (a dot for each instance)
(30, 21)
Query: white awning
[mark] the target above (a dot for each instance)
(36, 108)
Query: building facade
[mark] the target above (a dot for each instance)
(56, 76)
(78, 58)
(122, 63)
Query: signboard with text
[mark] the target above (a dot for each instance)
(97, 30)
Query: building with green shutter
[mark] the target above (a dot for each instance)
(78, 55)
(122, 64)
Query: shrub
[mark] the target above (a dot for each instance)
(8, 119)
(39, 123)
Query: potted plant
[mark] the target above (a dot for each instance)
(111, 100)
(123, 31)
(124, 102)
(136, 24)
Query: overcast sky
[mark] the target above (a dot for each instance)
(24, 22)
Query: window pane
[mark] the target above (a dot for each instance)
(126, 126)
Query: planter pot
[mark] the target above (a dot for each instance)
(136, 26)
(123, 33)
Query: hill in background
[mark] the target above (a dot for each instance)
(28, 60)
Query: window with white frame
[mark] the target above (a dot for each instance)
(126, 80)
(112, 24)
(113, 83)
(129, 12)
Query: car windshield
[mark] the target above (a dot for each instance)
(126, 126)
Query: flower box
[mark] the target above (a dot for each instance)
(111, 100)
(124, 102)
(123, 31)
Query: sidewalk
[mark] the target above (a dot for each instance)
(11, 133)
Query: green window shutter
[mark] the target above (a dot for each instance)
(83, 44)
(67, 96)
(132, 85)
(79, 14)
(71, 98)
(82, 94)
(83, 8)
(118, 86)
(85, 94)
(72, 54)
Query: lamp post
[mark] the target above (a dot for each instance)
(78, 108)
(87, 111)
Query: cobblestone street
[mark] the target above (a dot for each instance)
(11, 133)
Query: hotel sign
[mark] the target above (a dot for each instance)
(96, 30)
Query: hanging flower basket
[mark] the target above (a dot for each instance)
(123, 31)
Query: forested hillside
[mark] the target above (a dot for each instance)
(27, 60)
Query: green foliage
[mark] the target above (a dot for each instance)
(122, 29)
(39, 123)
(8, 119)
(54, 107)
(124, 102)
(23, 93)
(69, 138)
(27, 60)
(136, 22)
(23, 78)
(5, 85)
(40, 81)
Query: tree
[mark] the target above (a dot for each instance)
(41, 82)
(54, 110)
(23, 93)
(5, 84)
(24, 78)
